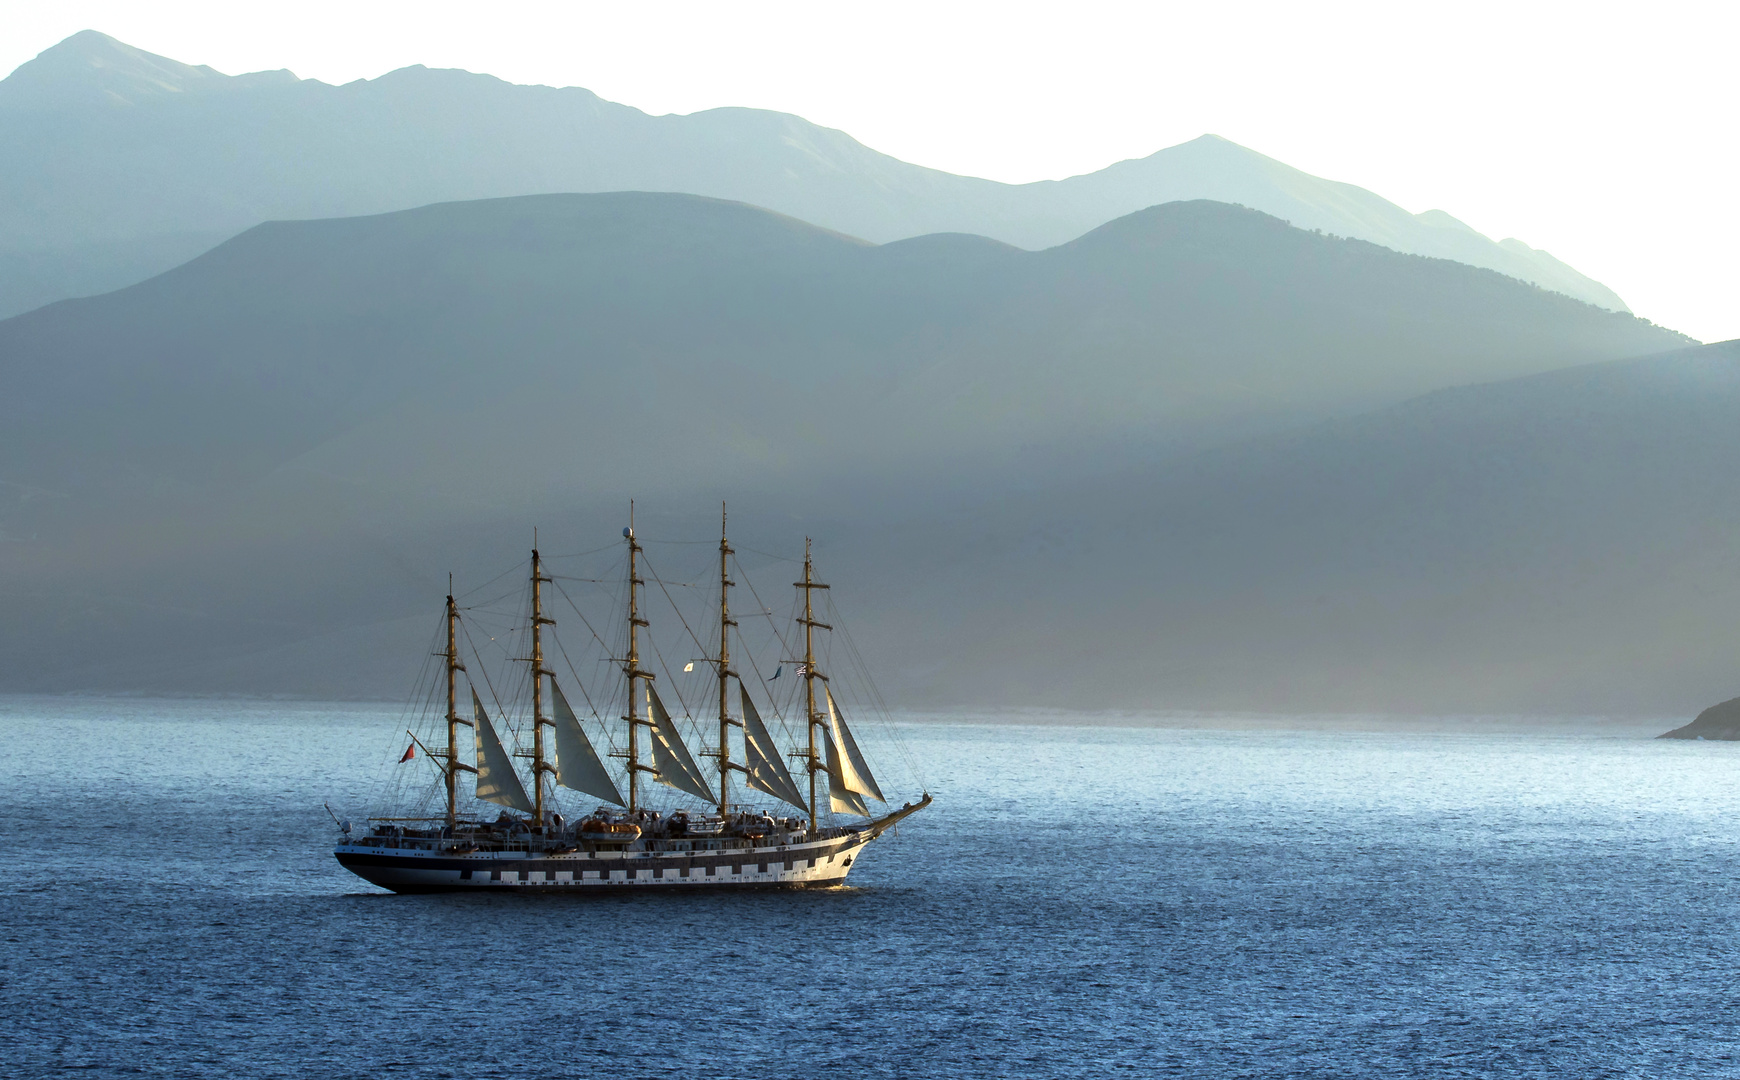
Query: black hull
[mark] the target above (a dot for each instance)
(823, 864)
(420, 866)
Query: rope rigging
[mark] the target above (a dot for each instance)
(503, 637)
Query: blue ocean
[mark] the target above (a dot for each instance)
(1272, 900)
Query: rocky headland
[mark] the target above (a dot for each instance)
(1716, 722)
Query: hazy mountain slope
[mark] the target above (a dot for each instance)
(1213, 168)
(1564, 542)
(289, 438)
(119, 160)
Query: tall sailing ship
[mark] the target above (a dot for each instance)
(706, 831)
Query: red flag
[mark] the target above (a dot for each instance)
(410, 752)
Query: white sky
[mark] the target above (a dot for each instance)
(1603, 132)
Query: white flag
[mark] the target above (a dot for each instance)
(690, 666)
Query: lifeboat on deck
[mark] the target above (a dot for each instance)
(595, 831)
(706, 826)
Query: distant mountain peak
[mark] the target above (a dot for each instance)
(91, 65)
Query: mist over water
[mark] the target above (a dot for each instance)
(1081, 901)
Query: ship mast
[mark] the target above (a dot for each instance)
(631, 666)
(539, 722)
(454, 667)
(810, 675)
(726, 622)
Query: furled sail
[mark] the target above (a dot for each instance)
(841, 797)
(855, 774)
(496, 780)
(763, 770)
(577, 764)
(670, 757)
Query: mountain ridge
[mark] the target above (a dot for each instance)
(1149, 267)
(215, 154)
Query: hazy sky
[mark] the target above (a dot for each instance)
(1602, 132)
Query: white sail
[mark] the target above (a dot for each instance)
(855, 774)
(670, 757)
(841, 797)
(577, 764)
(497, 782)
(763, 769)
(846, 802)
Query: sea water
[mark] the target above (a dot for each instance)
(1081, 901)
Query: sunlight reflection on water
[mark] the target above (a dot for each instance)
(1083, 899)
